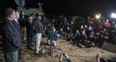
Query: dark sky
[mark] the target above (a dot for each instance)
(68, 7)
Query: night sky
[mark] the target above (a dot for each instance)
(68, 7)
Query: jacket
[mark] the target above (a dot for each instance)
(11, 37)
(38, 26)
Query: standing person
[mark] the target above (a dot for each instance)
(17, 25)
(38, 29)
(11, 37)
(29, 31)
(22, 22)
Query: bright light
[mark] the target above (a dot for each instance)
(113, 15)
(98, 16)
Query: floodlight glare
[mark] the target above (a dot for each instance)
(113, 15)
(98, 16)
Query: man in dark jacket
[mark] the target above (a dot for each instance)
(38, 29)
(29, 31)
(17, 25)
(11, 37)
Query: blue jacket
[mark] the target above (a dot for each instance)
(54, 36)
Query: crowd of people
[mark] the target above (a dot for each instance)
(16, 27)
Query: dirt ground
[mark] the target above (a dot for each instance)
(75, 53)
